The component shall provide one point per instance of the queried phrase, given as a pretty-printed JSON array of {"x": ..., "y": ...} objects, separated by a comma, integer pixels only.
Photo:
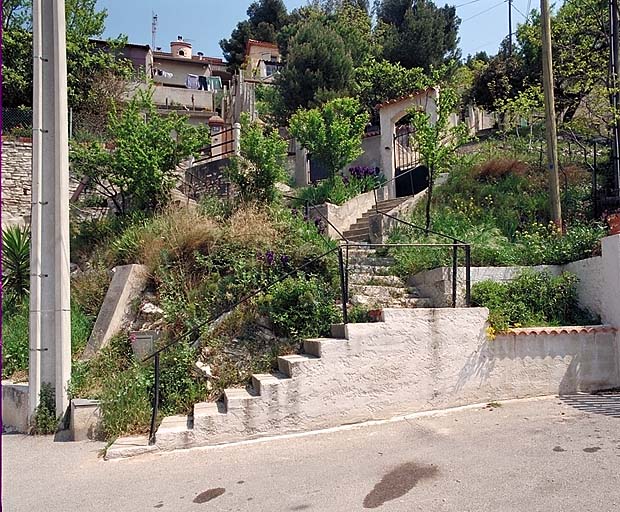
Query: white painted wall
[{"x": 417, "y": 360}]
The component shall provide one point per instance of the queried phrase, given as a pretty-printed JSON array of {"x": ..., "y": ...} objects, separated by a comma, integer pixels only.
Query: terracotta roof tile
[
  {"x": 568, "y": 329},
  {"x": 405, "y": 97}
]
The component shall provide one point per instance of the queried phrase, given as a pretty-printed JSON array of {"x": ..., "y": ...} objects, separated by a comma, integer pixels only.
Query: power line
[
  {"x": 467, "y": 3},
  {"x": 515, "y": 8},
  {"x": 483, "y": 12}
]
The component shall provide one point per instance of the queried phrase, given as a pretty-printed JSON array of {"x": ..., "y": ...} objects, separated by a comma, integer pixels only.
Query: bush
[
  {"x": 15, "y": 264},
  {"x": 300, "y": 308},
  {"x": 531, "y": 299},
  {"x": 44, "y": 420}
]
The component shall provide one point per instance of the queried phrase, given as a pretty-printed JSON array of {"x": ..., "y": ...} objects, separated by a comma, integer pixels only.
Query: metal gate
[{"x": 411, "y": 177}]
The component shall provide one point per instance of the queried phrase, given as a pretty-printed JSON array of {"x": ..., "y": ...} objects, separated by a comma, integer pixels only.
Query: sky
[{"x": 484, "y": 23}]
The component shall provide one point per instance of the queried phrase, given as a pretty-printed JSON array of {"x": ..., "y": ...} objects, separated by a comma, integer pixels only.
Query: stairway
[
  {"x": 372, "y": 283},
  {"x": 358, "y": 232}
]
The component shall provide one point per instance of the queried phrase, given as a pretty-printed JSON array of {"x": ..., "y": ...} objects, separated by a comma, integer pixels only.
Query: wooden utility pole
[
  {"x": 552, "y": 139},
  {"x": 510, "y": 28},
  {"x": 614, "y": 64}
]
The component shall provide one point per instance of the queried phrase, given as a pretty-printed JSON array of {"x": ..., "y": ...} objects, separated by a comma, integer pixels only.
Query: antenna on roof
[{"x": 153, "y": 29}]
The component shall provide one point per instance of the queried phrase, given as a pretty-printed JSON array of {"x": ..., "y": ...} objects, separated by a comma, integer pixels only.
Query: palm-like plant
[{"x": 16, "y": 262}]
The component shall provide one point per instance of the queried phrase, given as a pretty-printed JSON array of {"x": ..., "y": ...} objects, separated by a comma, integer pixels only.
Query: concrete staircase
[
  {"x": 372, "y": 284},
  {"x": 358, "y": 232}
]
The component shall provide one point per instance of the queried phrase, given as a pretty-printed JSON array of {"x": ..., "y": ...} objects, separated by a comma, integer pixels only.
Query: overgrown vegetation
[
  {"x": 531, "y": 299},
  {"x": 500, "y": 207},
  {"x": 135, "y": 170},
  {"x": 202, "y": 262},
  {"x": 15, "y": 266}
]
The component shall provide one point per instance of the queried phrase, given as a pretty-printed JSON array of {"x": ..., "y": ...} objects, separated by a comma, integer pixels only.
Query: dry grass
[
  {"x": 176, "y": 235},
  {"x": 498, "y": 168},
  {"x": 251, "y": 226}
]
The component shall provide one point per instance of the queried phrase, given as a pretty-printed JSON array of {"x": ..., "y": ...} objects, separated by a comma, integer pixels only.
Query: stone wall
[{"x": 16, "y": 181}]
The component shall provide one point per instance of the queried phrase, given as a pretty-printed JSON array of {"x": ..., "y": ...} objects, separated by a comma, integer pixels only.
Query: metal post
[
  {"x": 155, "y": 401},
  {"x": 594, "y": 184},
  {"x": 343, "y": 288},
  {"x": 468, "y": 275},
  {"x": 454, "y": 271}
]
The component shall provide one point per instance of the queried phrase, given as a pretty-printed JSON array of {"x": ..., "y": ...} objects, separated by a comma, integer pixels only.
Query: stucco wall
[
  {"x": 343, "y": 216},
  {"x": 418, "y": 359},
  {"x": 436, "y": 284},
  {"x": 371, "y": 156}
]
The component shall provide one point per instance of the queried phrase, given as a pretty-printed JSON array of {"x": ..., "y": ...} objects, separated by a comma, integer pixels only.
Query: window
[{"x": 182, "y": 53}]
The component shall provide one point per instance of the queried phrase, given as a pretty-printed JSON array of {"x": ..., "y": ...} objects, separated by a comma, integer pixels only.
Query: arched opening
[{"x": 181, "y": 53}]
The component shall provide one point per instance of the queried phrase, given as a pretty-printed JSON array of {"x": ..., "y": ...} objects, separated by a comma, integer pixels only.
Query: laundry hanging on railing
[
  {"x": 162, "y": 73},
  {"x": 191, "y": 82}
]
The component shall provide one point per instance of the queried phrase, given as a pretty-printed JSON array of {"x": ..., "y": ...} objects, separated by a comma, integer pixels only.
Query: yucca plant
[{"x": 16, "y": 262}]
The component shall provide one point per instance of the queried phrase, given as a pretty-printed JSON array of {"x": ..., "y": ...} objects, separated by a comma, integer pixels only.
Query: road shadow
[{"x": 601, "y": 402}]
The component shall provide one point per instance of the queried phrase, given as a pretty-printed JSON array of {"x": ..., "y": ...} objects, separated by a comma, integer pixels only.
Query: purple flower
[
  {"x": 269, "y": 256},
  {"x": 284, "y": 259},
  {"x": 345, "y": 180}
]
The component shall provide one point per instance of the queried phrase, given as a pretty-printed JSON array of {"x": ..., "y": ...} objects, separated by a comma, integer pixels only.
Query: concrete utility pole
[
  {"x": 50, "y": 314},
  {"x": 552, "y": 139}
]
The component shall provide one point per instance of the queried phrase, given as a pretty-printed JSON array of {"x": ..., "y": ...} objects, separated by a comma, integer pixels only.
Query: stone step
[
  {"x": 391, "y": 302},
  {"x": 294, "y": 365},
  {"x": 377, "y": 261},
  {"x": 264, "y": 383},
  {"x": 363, "y": 268},
  {"x": 373, "y": 279},
  {"x": 362, "y": 237},
  {"x": 205, "y": 409},
  {"x": 380, "y": 291},
  {"x": 238, "y": 398},
  {"x": 356, "y": 231},
  {"x": 324, "y": 347}
]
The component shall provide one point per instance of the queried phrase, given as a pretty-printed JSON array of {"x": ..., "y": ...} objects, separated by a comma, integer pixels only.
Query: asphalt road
[{"x": 546, "y": 454}]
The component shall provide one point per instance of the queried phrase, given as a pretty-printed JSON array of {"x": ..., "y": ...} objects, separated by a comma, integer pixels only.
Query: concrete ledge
[
  {"x": 15, "y": 406},
  {"x": 128, "y": 283},
  {"x": 85, "y": 421}
]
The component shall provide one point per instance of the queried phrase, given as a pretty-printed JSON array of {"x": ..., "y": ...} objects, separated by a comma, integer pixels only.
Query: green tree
[
  {"x": 379, "y": 81},
  {"x": 85, "y": 63},
  {"x": 318, "y": 67},
  {"x": 331, "y": 133},
  {"x": 265, "y": 19},
  {"x": 417, "y": 33},
  {"x": 261, "y": 164},
  {"x": 136, "y": 168},
  {"x": 580, "y": 35},
  {"x": 436, "y": 139}
]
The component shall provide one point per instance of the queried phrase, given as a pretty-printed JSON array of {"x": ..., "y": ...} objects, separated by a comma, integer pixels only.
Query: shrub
[
  {"x": 496, "y": 168},
  {"x": 531, "y": 299},
  {"x": 293, "y": 302},
  {"x": 15, "y": 264},
  {"x": 44, "y": 420},
  {"x": 261, "y": 163}
]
